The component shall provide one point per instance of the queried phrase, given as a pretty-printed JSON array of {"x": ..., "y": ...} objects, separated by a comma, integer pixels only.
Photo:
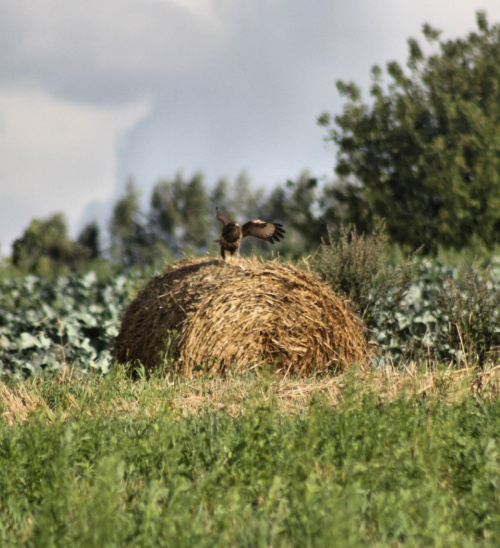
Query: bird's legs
[{"x": 225, "y": 257}]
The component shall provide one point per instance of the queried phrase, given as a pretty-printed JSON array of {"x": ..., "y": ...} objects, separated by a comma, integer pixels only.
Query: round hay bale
[{"x": 239, "y": 316}]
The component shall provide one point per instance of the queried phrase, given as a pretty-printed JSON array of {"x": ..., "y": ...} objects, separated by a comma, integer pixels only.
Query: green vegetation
[
  {"x": 423, "y": 153},
  {"x": 171, "y": 462},
  {"x": 45, "y": 247},
  {"x": 357, "y": 266},
  {"x": 471, "y": 303},
  {"x": 418, "y": 310},
  {"x": 406, "y": 454},
  {"x": 46, "y": 324},
  {"x": 179, "y": 221}
]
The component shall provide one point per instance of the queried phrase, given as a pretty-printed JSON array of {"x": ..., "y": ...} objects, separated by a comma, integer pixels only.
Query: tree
[
  {"x": 248, "y": 200},
  {"x": 180, "y": 214},
  {"x": 196, "y": 214},
  {"x": 303, "y": 210},
  {"x": 131, "y": 241},
  {"x": 221, "y": 197},
  {"x": 295, "y": 204},
  {"x": 45, "y": 248},
  {"x": 165, "y": 218},
  {"x": 425, "y": 153},
  {"x": 89, "y": 240}
]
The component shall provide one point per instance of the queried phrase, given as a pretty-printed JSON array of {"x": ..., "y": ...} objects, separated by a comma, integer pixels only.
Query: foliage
[
  {"x": 421, "y": 311},
  {"x": 46, "y": 249},
  {"x": 179, "y": 220},
  {"x": 69, "y": 321},
  {"x": 356, "y": 266},
  {"x": 415, "y": 310},
  {"x": 471, "y": 304},
  {"x": 424, "y": 154},
  {"x": 302, "y": 208},
  {"x": 450, "y": 315},
  {"x": 418, "y": 331},
  {"x": 89, "y": 239},
  {"x": 115, "y": 463},
  {"x": 132, "y": 243}
]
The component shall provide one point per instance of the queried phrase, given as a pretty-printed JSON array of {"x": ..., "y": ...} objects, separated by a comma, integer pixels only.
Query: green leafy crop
[{"x": 49, "y": 324}]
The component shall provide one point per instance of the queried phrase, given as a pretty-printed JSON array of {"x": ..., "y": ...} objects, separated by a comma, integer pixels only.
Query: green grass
[{"x": 105, "y": 461}]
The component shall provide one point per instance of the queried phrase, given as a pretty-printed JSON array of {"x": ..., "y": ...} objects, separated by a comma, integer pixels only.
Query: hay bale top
[{"x": 240, "y": 315}]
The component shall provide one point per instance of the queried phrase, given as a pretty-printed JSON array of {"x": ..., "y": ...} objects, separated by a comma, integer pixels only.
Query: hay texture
[{"x": 239, "y": 316}]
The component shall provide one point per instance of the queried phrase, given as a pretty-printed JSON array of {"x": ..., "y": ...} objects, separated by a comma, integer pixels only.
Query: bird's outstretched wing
[
  {"x": 222, "y": 219},
  {"x": 270, "y": 232}
]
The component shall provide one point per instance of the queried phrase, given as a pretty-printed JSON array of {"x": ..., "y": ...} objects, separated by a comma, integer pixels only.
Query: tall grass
[
  {"x": 471, "y": 305},
  {"x": 112, "y": 462}
]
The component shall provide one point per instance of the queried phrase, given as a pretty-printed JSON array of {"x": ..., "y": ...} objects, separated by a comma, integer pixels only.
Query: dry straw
[{"x": 239, "y": 316}]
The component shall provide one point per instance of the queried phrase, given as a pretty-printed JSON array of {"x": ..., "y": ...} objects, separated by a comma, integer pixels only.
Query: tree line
[
  {"x": 178, "y": 219},
  {"x": 422, "y": 154}
]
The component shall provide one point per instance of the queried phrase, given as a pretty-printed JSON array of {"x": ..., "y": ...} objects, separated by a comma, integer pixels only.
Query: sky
[{"x": 93, "y": 93}]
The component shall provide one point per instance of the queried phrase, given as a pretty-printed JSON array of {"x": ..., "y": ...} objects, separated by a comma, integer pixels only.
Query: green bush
[
  {"x": 470, "y": 304},
  {"x": 357, "y": 267}
]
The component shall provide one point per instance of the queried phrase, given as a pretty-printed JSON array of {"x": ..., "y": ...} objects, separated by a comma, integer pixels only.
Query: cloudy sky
[{"x": 94, "y": 92}]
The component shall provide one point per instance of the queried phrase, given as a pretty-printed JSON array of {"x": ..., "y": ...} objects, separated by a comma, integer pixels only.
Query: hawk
[{"x": 232, "y": 233}]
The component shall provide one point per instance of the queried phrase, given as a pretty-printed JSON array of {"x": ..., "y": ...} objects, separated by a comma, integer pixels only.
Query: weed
[
  {"x": 360, "y": 462},
  {"x": 356, "y": 266},
  {"x": 470, "y": 304}
]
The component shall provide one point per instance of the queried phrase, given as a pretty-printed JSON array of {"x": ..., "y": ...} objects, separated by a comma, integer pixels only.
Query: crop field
[
  {"x": 405, "y": 454},
  {"x": 50, "y": 325}
]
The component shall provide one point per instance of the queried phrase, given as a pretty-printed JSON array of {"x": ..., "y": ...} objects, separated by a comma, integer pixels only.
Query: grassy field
[{"x": 391, "y": 458}]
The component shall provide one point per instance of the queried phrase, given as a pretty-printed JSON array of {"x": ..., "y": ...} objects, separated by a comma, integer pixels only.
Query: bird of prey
[{"x": 232, "y": 233}]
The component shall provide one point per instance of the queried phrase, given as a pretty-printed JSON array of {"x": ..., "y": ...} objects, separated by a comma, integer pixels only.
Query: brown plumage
[{"x": 232, "y": 233}]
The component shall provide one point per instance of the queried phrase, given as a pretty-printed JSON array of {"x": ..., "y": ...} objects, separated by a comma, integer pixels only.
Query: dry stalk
[
  {"x": 291, "y": 395},
  {"x": 240, "y": 317}
]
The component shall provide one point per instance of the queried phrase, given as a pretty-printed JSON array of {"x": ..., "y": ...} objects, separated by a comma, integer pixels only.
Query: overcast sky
[{"x": 94, "y": 92}]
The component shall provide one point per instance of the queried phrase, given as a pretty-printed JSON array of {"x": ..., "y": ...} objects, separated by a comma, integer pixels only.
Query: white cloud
[{"x": 56, "y": 156}]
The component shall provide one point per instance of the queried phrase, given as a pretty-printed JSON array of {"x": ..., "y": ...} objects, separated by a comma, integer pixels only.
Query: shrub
[
  {"x": 357, "y": 266},
  {"x": 470, "y": 303}
]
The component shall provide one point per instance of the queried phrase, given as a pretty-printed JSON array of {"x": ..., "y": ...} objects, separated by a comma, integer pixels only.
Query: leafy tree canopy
[
  {"x": 131, "y": 243},
  {"x": 45, "y": 246},
  {"x": 424, "y": 152}
]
